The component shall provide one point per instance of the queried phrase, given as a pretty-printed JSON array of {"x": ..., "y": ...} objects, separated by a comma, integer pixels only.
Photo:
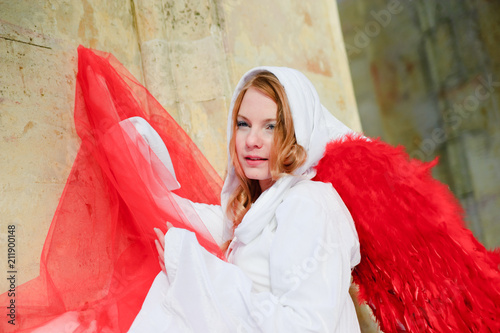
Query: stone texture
[
  {"x": 428, "y": 67},
  {"x": 419, "y": 81},
  {"x": 184, "y": 66},
  {"x": 37, "y": 86},
  {"x": 37, "y": 145}
]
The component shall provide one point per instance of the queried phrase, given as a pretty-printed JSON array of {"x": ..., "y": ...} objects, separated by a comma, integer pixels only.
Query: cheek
[
  {"x": 269, "y": 143},
  {"x": 239, "y": 141}
]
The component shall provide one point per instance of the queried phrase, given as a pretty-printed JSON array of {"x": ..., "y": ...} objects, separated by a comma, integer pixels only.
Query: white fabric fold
[{"x": 308, "y": 280}]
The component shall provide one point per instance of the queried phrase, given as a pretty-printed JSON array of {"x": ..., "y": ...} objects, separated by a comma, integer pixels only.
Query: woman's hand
[{"x": 160, "y": 246}]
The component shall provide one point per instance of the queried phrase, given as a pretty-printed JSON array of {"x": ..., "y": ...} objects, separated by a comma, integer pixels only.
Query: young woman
[{"x": 290, "y": 242}]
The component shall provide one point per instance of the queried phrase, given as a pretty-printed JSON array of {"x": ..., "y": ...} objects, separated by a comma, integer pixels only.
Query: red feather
[{"x": 421, "y": 269}]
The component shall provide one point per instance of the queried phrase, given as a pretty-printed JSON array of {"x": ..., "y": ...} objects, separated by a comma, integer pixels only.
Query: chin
[
  {"x": 254, "y": 177},
  {"x": 257, "y": 175}
]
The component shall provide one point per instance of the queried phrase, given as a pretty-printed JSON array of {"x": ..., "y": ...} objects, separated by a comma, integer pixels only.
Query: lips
[{"x": 255, "y": 160}]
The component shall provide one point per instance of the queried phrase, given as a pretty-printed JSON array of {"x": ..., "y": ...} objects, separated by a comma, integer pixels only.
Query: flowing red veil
[
  {"x": 421, "y": 270},
  {"x": 99, "y": 256}
]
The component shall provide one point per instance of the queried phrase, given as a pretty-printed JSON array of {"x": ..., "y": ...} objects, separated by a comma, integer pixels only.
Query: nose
[{"x": 254, "y": 139}]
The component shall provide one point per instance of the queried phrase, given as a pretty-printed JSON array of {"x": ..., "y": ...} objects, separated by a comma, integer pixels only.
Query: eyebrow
[{"x": 265, "y": 120}]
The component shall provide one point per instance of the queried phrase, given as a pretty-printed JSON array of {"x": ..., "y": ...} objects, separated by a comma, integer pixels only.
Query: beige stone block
[
  {"x": 31, "y": 18},
  {"x": 208, "y": 129},
  {"x": 150, "y": 18},
  {"x": 198, "y": 70},
  {"x": 188, "y": 20},
  {"x": 29, "y": 205},
  {"x": 183, "y": 76},
  {"x": 345, "y": 101},
  {"x": 332, "y": 94},
  {"x": 103, "y": 25},
  {"x": 37, "y": 145},
  {"x": 174, "y": 20},
  {"x": 158, "y": 75}
]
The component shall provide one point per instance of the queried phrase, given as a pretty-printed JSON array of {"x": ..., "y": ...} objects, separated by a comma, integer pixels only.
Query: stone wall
[
  {"x": 427, "y": 76},
  {"x": 38, "y": 141},
  {"x": 189, "y": 54}
]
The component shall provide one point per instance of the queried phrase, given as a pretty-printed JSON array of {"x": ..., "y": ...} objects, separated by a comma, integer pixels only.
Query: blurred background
[{"x": 426, "y": 75}]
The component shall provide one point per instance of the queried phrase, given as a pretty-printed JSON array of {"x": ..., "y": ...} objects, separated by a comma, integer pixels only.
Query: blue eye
[
  {"x": 241, "y": 123},
  {"x": 271, "y": 126}
]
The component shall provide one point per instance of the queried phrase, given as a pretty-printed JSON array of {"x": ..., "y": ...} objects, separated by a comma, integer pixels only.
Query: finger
[
  {"x": 160, "y": 236},
  {"x": 161, "y": 260},
  {"x": 162, "y": 266},
  {"x": 169, "y": 225},
  {"x": 159, "y": 248}
]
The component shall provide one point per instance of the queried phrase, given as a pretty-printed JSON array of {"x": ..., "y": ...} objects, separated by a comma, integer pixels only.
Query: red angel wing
[{"x": 421, "y": 269}]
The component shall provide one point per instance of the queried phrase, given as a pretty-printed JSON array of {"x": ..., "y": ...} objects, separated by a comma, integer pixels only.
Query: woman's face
[{"x": 254, "y": 136}]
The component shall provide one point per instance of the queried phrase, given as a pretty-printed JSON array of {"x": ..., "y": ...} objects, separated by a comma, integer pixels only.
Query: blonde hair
[{"x": 286, "y": 154}]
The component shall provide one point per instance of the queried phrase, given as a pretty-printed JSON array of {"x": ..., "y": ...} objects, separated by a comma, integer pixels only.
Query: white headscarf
[{"x": 314, "y": 128}]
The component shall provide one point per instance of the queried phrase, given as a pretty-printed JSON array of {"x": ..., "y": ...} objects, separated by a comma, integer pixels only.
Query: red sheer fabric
[{"x": 99, "y": 257}]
